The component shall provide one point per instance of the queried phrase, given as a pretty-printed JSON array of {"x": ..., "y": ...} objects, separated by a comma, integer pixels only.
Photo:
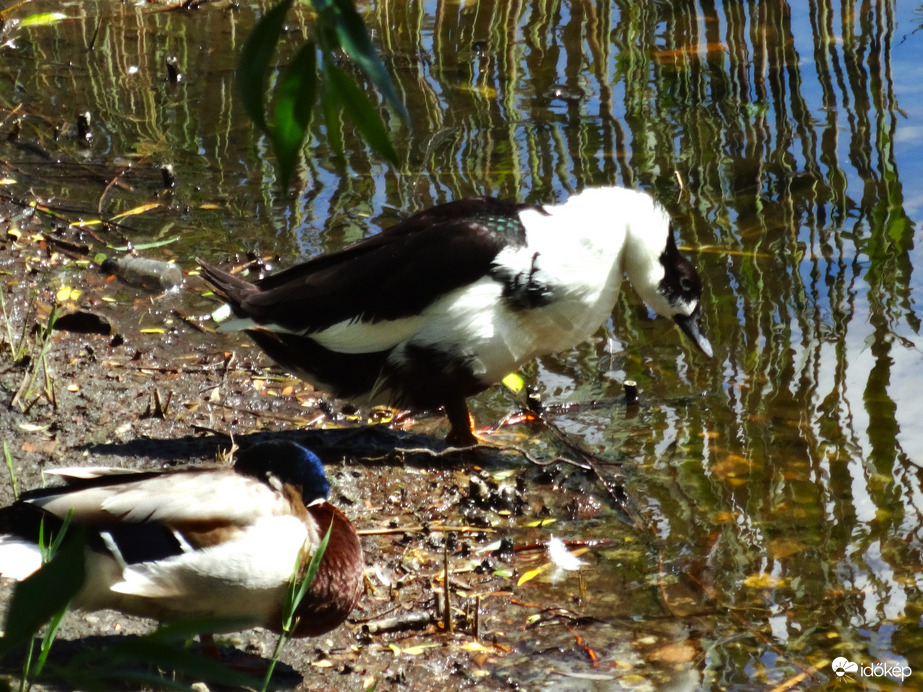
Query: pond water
[{"x": 779, "y": 483}]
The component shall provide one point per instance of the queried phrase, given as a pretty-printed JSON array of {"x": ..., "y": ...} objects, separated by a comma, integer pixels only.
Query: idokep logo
[{"x": 843, "y": 668}]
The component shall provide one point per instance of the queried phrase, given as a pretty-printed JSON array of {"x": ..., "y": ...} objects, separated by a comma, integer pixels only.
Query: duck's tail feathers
[
  {"x": 22, "y": 526},
  {"x": 19, "y": 558},
  {"x": 228, "y": 287}
]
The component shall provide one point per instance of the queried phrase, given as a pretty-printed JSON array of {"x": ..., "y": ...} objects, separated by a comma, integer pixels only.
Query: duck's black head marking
[
  {"x": 682, "y": 288},
  {"x": 681, "y": 284}
]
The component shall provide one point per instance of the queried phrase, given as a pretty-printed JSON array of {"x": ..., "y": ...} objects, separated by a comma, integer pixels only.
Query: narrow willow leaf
[
  {"x": 43, "y": 19},
  {"x": 361, "y": 111},
  {"x": 144, "y": 246},
  {"x": 340, "y": 18},
  {"x": 419, "y": 649},
  {"x": 255, "y": 58},
  {"x": 294, "y": 102},
  {"x": 137, "y": 210},
  {"x": 530, "y": 575}
]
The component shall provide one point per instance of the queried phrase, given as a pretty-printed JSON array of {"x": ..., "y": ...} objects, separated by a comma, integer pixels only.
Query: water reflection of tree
[
  {"x": 781, "y": 126},
  {"x": 779, "y": 119}
]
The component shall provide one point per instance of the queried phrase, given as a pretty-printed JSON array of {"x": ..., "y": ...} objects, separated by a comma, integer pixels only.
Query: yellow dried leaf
[
  {"x": 732, "y": 466},
  {"x": 514, "y": 382},
  {"x": 780, "y": 548},
  {"x": 475, "y": 647},
  {"x": 66, "y": 293},
  {"x": 674, "y": 653},
  {"x": 547, "y": 521},
  {"x": 530, "y": 575},
  {"x": 137, "y": 210},
  {"x": 763, "y": 580},
  {"x": 84, "y": 224},
  {"x": 154, "y": 330},
  {"x": 419, "y": 649},
  {"x": 33, "y": 427}
]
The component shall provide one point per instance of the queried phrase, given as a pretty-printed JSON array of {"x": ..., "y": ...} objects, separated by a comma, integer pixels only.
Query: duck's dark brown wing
[{"x": 393, "y": 274}]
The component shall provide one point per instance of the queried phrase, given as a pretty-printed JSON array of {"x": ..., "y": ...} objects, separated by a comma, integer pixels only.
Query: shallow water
[{"x": 780, "y": 481}]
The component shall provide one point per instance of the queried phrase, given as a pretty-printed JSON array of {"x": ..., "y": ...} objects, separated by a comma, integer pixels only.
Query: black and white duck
[{"x": 449, "y": 301}]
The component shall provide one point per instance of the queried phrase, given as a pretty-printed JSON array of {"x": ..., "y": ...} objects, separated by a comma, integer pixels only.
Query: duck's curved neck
[
  {"x": 338, "y": 582},
  {"x": 642, "y": 261}
]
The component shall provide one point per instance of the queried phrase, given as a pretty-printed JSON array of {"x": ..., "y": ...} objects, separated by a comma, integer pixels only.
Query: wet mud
[{"x": 135, "y": 378}]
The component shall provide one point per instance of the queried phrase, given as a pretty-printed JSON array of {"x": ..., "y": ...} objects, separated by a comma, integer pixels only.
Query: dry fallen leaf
[
  {"x": 531, "y": 574},
  {"x": 733, "y": 469},
  {"x": 763, "y": 580},
  {"x": 674, "y": 653}
]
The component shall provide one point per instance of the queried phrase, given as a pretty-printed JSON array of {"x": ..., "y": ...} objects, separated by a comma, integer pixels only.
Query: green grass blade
[
  {"x": 50, "y": 633},
  {"x": 299, "y": 586},
  {"x": 9, "y": 464}
]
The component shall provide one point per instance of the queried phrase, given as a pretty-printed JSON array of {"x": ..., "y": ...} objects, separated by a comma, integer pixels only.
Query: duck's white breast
[{"x": 245, "y": 576}]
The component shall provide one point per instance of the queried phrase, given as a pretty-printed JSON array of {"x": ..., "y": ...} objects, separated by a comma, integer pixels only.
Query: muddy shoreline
[{"x": 133, "y": 378}]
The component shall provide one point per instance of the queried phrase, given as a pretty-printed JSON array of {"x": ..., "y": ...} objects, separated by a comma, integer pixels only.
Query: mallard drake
[
  {"x": 449, "y": 301},
  {"x": 198, "y": 542}
]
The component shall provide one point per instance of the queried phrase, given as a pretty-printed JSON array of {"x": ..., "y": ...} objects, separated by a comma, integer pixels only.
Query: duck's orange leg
[{"x": 462, "y": 432}]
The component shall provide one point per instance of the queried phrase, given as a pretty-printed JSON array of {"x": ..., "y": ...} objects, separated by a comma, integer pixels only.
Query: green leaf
[
  {"x": 340, "y": 18},
  {"x": 361, "y": 111},
  {"x": 37, "y": 598},
  {"x": 255, "y": 58},
  {"x": 43, "y": 19},
  {"x": 294, "y": 102},
  {"x": 143, "y": 246}
]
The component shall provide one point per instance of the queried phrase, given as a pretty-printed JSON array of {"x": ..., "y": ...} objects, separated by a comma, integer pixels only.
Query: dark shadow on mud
[
  {"x": 130, "y": 662},
  {"x": 366, "y": 445}
]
